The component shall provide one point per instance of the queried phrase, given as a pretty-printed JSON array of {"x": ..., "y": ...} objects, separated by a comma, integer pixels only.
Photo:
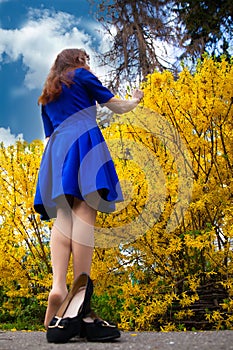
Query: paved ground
[{"x": 222, "y": 340}]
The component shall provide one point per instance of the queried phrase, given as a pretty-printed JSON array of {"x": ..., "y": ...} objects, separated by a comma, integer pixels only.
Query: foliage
[
  {"x": 25, "y": 267},
  {"x": 163, "y": 274},
  {"x": 149, "y": 274},
  {"x": 208, "y": 26}
]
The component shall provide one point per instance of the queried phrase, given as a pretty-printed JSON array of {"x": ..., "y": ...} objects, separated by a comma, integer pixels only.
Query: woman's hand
[{"x": 123, "y": 106}]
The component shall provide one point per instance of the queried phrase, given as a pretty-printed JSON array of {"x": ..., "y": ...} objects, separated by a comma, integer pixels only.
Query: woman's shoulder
[
  {"x": 82, "y": 72},
  {"x": 83, "y": 75}
]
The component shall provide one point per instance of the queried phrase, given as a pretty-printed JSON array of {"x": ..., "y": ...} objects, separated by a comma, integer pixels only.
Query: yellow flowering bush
[
  {"x": 163, "y": 260},
  {"x": 181, "y": 278}
]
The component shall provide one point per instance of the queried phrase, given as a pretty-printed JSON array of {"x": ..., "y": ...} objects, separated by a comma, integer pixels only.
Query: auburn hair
[{"x": 61, "y": 72}]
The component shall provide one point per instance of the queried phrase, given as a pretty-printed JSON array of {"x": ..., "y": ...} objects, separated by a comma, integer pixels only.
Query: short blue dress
[{"x": 76, "y": 160}]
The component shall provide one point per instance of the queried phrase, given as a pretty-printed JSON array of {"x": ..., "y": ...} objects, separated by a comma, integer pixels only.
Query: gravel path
[{"x": 222, "y": 340}]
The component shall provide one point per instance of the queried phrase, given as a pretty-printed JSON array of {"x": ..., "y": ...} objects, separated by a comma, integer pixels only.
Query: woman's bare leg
[
  {"x": 60, "y": 245},
  {"x": 73, "y": 231},
  {"x": 82, "y": 236},
  {"x": 82, "y": 245}
]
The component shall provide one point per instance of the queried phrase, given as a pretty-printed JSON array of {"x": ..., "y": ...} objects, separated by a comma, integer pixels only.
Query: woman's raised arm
[{"x": 120, "y": 106}]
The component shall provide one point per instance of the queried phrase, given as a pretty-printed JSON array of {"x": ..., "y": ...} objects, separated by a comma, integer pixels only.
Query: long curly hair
[{"x": 61, "y": 72}]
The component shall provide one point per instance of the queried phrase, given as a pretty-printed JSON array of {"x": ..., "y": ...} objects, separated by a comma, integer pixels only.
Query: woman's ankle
[{"x": 55, "y": 300}]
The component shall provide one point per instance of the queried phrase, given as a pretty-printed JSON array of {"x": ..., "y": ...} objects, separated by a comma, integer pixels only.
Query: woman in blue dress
[{"x": 77, "y": 176}]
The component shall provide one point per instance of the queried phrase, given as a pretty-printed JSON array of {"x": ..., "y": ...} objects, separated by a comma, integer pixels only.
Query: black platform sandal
[
  {"x": 97, "y": 330},
  {"x": 77, "y": 303}
]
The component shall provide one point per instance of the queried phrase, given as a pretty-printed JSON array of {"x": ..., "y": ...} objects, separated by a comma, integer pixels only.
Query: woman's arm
[
  {"x": 119, "y": 106},
  {"x": 46, "y": 141}
]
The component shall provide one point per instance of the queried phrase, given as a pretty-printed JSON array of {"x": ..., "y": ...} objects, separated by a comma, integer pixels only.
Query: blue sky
[{"x": 32, "y": 33}]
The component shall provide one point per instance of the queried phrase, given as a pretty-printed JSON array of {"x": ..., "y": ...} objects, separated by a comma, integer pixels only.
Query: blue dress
[{"x": 76, "y": 160}]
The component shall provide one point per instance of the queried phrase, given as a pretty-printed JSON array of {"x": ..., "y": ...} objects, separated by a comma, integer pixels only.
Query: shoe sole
[{"x": 104, "y": 338}]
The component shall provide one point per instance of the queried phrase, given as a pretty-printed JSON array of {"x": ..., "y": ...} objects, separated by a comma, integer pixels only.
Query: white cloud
[
  {"x": 167, "y": 54},
  {"x": 8, "y": 138},
  {"x": 39, "y": 40}
]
